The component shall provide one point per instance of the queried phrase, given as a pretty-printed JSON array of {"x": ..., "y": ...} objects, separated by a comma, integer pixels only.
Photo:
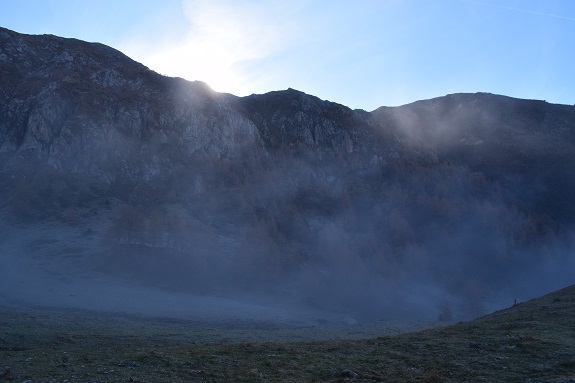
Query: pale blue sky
[{"x": 361, "y": 53}]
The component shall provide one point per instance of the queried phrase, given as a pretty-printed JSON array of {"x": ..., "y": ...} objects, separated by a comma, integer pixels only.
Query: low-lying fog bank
[{"x": 49, "y": 265}]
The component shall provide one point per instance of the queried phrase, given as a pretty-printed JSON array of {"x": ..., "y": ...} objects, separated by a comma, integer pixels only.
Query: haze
[
  {"x": 126, "y": 191},
  {"x": 362, "y": 54}
]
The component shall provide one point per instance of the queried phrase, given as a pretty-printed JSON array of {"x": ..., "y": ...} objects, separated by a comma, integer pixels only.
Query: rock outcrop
[{"x": 283, "y": 181}]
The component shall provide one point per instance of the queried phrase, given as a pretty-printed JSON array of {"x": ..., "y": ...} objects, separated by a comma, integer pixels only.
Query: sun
[{"x": 220, "y": 40}]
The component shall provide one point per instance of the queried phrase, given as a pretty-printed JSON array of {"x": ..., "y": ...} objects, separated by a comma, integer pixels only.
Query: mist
[
  {"x": 125, "y": 191},
  {"x": 291, "y": 244}
]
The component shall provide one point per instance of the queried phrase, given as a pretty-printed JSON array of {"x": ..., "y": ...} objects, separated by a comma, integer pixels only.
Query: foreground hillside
[{"x": 529, "y": 342}]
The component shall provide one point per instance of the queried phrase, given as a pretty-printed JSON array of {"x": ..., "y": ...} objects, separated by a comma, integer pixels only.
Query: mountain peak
[{"x": 284, "y": 188}]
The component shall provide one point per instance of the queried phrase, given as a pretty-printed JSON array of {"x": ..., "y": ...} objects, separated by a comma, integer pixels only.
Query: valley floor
[{"x": 529, "y": 342}]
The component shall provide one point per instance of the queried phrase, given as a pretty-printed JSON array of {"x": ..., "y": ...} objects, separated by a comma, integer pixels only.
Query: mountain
[
  {"x": 527, "y": 144},
  {"x": 440, "y": 205}
]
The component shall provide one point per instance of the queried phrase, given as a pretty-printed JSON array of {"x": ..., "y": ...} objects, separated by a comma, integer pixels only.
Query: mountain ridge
[{"x": 454, "y": 193}]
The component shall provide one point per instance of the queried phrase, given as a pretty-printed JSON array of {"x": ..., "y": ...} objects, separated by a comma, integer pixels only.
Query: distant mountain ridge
[{"x": 283, "y": 181}]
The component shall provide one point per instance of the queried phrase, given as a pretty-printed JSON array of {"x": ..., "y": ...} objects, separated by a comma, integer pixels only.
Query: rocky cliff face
[
  {"x": 81, "y": 107},
  {"x": 455, "y": 192}
]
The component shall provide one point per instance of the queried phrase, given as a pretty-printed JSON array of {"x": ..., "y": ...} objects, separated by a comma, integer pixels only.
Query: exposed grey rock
[{"x": 284, "y": 181}]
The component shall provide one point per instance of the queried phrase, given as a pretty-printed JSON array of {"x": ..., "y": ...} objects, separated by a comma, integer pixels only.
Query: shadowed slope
[{"x": 454, "y": 204}]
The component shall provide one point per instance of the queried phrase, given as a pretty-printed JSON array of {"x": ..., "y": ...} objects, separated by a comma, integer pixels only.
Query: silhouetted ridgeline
[{"x": 437, "y": 204}]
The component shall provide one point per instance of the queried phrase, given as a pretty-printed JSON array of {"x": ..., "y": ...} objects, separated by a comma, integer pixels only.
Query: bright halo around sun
[
  {"x": 201, "y": 61},
  {"x": 222, "y": 37}
]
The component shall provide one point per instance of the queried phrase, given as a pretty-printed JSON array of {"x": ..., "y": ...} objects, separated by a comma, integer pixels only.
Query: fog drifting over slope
[
  {"x": 123, "y": 190},
  {"x": 295, "y": 249}
]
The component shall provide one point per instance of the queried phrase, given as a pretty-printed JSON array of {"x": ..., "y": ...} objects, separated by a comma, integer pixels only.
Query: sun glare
[
  {"x": 221, "y": 37},
  {"x": 199, "y": 60}
]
